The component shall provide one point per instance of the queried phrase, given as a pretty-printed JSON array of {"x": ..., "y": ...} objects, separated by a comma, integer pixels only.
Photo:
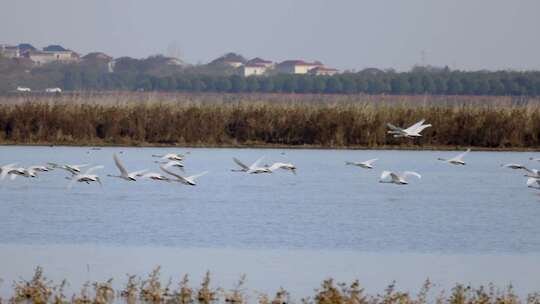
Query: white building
[
  {"x": 296, "y": 67},
  {"x": 9, "y": 51},
  {"x": 253, "y": 69}
]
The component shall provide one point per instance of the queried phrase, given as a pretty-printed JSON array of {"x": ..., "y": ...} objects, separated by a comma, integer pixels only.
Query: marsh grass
[
  {"x": 41, "y": 290},
  {"x": 287, "y": 122}
]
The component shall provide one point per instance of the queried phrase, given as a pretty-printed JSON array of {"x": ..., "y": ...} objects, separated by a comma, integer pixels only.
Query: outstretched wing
[
  {"x": 119, "y": 165},
  {"x": 533, "y": 182},
  {"x": 385, "y": 174},
  {"x": 173, "y": 174},
  {"x": 460, "y": 156},
  {"x": 416, "y": 125},
  {"x": 139, "y": 173},
  {"x": 394, "y": 128},
  {"x": 256, "y": 163},
  {"x": 276, "y": 166},
  {"x": 54, "y": 165},
  {"x": 407, "y": 173},
  {"x": 239, "y": 163},
  {"x": 371, "y": 161},
  {"x": 92, "y": 169},
  {"x": 5, "y": 169},
  {"x": 514, "y": 166},
  {"x": 194, "y": 177}
]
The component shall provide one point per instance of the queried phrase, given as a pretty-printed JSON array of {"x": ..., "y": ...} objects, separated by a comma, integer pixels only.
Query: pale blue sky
[{"x": 354, "y": 34}]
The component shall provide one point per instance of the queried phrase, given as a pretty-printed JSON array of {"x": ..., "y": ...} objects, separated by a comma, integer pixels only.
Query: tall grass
[
  {"x": 234, "y": 122},
  {"x": 153, "y": 290}
]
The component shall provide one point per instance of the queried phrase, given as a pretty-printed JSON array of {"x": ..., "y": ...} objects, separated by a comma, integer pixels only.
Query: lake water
[{"x": 475, "y": 223}]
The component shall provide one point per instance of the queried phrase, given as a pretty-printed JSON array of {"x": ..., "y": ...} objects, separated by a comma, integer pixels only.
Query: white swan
[
  {"x": 396, "y": 178},
  {"x": 534, "y": 158},
  {"x": 154, "y": 176},
  {"x": 253, "y": 169},
  {"x": 5, "y": 171},
  {"x": 533, "y": 183},
  {"x": 86, "y": 177},
  {"x": 284, "y": 166},
  {"x": 412, "y": 131},
  {"x": 171, "y": 156},
  {"x": 533, "y": 173},
  {"x": 124, "y": 174},
  {"x": 190, "y": 180},
  {"x": 457, "y": 160},
  {"x": 73, "y": 169},
  {"x": 368, "y": 164},
  {"x": 171, "y": 163}
]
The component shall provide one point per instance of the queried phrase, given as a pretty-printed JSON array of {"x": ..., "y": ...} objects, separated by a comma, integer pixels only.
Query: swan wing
[
  {"x": 256, "y": 163},
  {"x": 138, "y": 173},
  {"x": 173, "y": 174},
  {"x": 276, "y": 166},
  {"x": 194, "y": 177},
  {"x": 173, "y": 163},
  {"x": 394, "y": 128},
  {"x": 119, "y": 165},
  {"x": 533, "y": 182},
  {"x": 371, "y": 161},
  {"x": 385, "y": 174},
  {"x": 92, "y": 169},
  {"x": 421, "y": 128},
  {"x": 411, "y": 173},
  {"x": 461, "y": 155},
  {"x": 514, "y": 166},
  {"x": 239, "y": 163},
  {"x": 415, "y": 126},
  {"x": 80, "y": 166},
  {"x": 5, "y": 169}
]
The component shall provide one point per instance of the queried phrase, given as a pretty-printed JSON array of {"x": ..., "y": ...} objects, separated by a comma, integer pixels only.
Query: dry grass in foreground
[
  {"x": 152, "y": 290},
  {"x": 266, "y": 124}
]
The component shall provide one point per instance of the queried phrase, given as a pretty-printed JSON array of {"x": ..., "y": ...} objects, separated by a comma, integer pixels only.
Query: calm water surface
[{"x": 477, "y": 210}]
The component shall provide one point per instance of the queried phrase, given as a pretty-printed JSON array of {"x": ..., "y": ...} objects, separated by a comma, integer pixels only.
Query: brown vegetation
[
  {"x": 238, "y": 122},
  {"x": 41, "y": 290}
]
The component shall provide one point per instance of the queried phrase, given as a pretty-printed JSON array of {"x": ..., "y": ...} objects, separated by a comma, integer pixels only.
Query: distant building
[
  {"x": 231, "y": 59},
  {"x": 321, "y": 70},
  {"x": 9, "y": 51},
  {"x": 296, "y": 67},
  {"x": 233, "y": 63},
  {"x": 23, "y": 47},
  {"x": 262, "y": 62},
  {"x": 253, "y": 69},
  {"x": 44, "y": 57}
]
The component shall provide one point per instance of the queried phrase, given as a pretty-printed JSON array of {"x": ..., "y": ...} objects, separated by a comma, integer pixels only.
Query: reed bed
[
  {"x": 236, "y": 122},
  {"x": 153, "y": 289}
]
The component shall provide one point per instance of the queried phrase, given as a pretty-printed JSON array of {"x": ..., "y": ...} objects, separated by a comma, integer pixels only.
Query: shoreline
[{"x": 272, "y": 146}]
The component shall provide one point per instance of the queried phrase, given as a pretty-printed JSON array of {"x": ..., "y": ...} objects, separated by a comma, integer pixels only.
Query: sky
[{"x": 346, "y": 34}]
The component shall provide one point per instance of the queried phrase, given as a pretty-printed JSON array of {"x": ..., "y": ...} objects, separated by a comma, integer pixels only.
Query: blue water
[{"x": 478, "y": 208}]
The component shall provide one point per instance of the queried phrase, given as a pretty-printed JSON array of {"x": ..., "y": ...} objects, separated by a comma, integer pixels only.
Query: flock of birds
[
  {"x": 174, "y": 160},
  {"x": 166, "y": 163}
]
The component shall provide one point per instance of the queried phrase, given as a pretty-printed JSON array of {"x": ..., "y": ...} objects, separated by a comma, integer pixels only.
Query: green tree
[
  {"x": 252, "y": 84},
  {"x": 333, "y": 85},
  {"x": 238, "y": 84},
  {"x": 399, "y": 85},
  {"x": 319, "y": 85}
]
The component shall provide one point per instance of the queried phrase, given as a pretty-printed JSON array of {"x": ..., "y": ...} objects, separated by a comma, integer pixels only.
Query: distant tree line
[
  {"x": 155, "y": 73},
  {"x": 367, "y": 82}
]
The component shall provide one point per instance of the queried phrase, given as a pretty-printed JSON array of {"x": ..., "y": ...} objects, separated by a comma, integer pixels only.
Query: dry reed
[
  {"x": 263, "y": 123},
  {"x": 41, "y": 290}
]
